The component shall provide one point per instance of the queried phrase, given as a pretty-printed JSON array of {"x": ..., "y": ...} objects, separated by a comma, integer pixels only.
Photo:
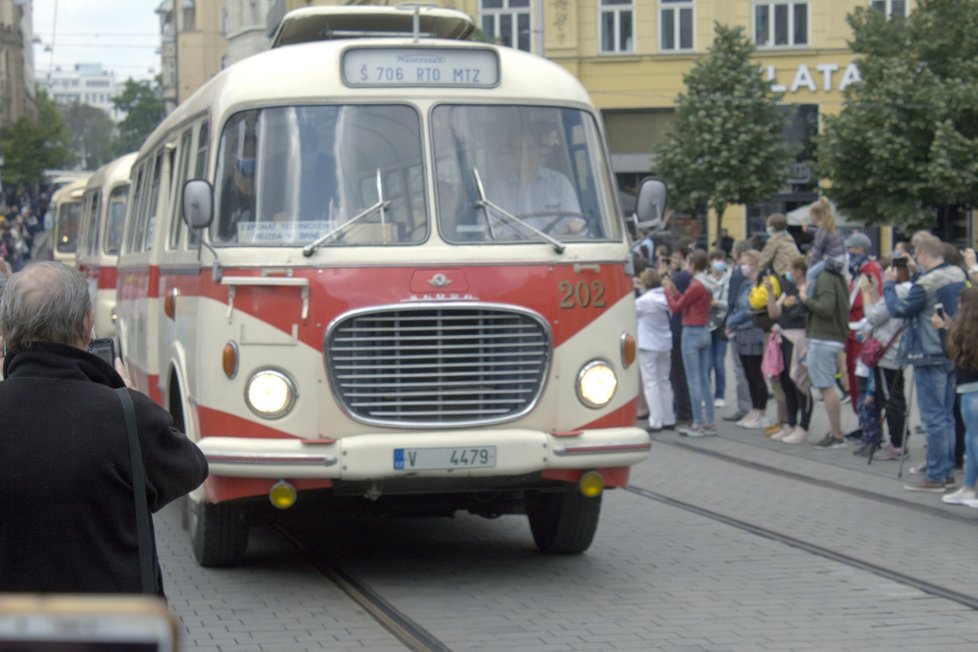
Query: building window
[
  {"x": 890, "y": 7},
  {"x": 616, "y": 21},
  {"x": 676, "y": 25},
  {"x": 508, "y": 21},
  {"x": 780, "y": 24},
  {"x": 189, "y": 16}
]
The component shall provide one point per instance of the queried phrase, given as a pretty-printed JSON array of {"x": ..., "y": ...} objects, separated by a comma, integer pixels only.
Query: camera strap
[{"x": 147, "y": 572}]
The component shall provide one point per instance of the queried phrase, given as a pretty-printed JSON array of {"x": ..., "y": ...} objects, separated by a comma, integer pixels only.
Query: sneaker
[
  {"x": 888, "y": 454},
  {"x": 782, "y": 432},
  {"x": 962, "y": 496},
  {"x": 719, "y": 402},
  {"x": 925, "y": 485},
  {"x": 751, "y": 423},
  {"x": 709, "y": 431},
  {"x": 856, "y": 434},
  {"x": 920, "y": 469},
  {"x": 863, "y": 450},
  {"x": 692, "y": 431},
  {"x": 949, "y": 481},
  {"x": 796, "y": 436},
  {"x": 737, "y": 416},
  {"x": 829, "y": 442}
]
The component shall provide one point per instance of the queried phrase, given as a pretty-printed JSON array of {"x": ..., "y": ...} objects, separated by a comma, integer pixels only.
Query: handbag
[
  {"x": 147, "y": 570},
  {"x": 772, "y": 364},
  {"x": 873, "y": 350}
]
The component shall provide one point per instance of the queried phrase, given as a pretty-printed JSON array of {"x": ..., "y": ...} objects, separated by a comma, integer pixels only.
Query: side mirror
[
  {"x": 651, "y": 203},
  {"x": 198, "y": 203}
]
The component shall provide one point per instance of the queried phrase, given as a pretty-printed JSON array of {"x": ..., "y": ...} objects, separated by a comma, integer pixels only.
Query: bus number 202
[{"x": 582, "y": 294}]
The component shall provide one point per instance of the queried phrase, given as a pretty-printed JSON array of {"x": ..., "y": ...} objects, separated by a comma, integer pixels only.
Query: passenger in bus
[
  {"x": 238, "y": 188},
  {"x": 524, "y": 186}
]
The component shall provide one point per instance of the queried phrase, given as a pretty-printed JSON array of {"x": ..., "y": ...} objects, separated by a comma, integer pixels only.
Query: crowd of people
[{"x": 834, "y": 325}]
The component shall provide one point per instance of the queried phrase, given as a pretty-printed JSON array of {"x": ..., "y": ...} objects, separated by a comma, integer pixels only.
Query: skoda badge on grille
[{"x": 439, "y": 280}]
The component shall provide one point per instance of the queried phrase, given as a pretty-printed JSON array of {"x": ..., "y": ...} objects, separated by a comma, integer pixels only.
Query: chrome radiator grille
[{"x": 438, "y": 366}]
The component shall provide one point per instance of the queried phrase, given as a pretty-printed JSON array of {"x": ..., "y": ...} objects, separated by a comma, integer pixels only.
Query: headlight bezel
[
  {"x": 586, "y": 371},
  {"x": 291, "y": 393}
]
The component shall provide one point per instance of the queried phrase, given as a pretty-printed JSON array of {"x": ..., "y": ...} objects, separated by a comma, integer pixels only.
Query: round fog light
[
  {"x": 283, "y": 495},
  {"x": 591, "y": 484}
]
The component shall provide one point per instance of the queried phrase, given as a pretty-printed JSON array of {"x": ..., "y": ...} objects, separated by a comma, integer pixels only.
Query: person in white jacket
[{"x": 655, "y": 350}]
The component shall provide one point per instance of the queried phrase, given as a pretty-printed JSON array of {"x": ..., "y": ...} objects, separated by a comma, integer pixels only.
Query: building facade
[
  {"x": 193, "y": 46},
  {"x": 17, "y": 99},
  {"x": 86, "y": 83}
]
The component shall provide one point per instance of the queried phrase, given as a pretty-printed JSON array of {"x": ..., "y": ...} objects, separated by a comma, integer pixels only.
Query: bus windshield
[
  {"x": 69, "y": 217},
  {"x": 291, "y": 175},
  {"x": 511, "y": 173}
]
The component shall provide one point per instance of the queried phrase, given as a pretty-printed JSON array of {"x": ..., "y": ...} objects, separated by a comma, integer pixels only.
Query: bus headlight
[
  {"x": 270, "y": 394},
  {"x": 596, "y": 383}
]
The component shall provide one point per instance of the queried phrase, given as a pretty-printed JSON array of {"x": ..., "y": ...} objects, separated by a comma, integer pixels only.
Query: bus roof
[
  {"x": 311, "y": 73},
  {"x": 113, "y": 172},
  {"x": 71, "y": 191},
  {"x": 344, "y": 22}
]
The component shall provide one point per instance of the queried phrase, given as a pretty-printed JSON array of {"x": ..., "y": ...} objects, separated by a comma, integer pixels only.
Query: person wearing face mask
[
  {"x": 749, "y": 342},
  {"x": 861, "y": 264},
  {"x": 780, "y": 248},
  {"x": 734, "y": 283}
]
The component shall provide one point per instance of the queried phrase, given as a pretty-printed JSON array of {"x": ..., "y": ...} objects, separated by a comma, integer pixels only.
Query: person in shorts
[{"x": 826, "y": 329}]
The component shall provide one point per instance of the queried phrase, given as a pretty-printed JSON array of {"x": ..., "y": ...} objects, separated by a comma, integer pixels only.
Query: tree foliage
[
  {"x": 30, "y": 146},
  {"x": 906, "y": 140},
  {"x": 91, "y": 134},
  {"x": 726, "y": 146},
  {"x": 142, "y": 104}
]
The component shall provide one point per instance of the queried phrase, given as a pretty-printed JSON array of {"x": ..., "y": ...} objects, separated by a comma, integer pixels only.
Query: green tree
[
  {"x": 906, "y": 140},
  {"x": 30, "y": 146},
  {"x": 91, "y": 134},
  {"x": 142, "y": 104},
  {"x": 726, "y": 146}
]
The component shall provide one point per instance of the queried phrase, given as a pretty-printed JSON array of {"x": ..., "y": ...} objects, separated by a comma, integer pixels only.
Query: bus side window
[
  {"x": 200, "y": 171},
  {"x": 135, "y": 207},
  {"x": 152, "y": 204},
  {"x": 178, "y": 179},
  {"x": 94, "y": 220}
]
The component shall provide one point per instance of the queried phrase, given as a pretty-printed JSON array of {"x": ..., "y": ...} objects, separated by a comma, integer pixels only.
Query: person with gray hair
[{"x": 66, "y": 494}]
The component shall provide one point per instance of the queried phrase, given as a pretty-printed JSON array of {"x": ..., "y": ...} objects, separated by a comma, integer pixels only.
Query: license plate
[{"x": 471, "y": 457}]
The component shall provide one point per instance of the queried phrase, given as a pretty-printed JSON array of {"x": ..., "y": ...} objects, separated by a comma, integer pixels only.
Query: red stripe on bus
[
  {"x": 216, "y": 423},
  {"x": 570, "y": 300},
  {"x": 223, "y": 488},
  {"x": 624, "y": 416},
  {"x": 107, "y": 277}
]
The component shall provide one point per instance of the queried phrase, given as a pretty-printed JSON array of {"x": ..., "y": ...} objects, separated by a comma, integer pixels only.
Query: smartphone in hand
[{"x": 104, "y": 347}]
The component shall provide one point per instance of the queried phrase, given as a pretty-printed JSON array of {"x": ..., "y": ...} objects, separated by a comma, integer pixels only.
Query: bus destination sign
[{"x": 407, "y": 67}]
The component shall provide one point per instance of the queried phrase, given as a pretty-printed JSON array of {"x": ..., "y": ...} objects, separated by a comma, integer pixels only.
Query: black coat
[{"x": 67, "y": 517}]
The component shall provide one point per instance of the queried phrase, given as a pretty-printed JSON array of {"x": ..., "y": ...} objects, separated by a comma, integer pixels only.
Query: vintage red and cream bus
[
  {"x": 401, "y": 278},
  {"x": 65, "y": 217},
  {"x": 103, "y": 218}
]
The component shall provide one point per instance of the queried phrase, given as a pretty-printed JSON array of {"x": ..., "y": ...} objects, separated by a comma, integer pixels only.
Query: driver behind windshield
[
  {"x": 238, "y": 190},
  {"x": 540, "y": 196}
]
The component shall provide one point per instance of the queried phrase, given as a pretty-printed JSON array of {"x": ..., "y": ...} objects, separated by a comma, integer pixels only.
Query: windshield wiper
[
  {"x": 380, "y": 206},
  {"x": 499, "y": 211}
]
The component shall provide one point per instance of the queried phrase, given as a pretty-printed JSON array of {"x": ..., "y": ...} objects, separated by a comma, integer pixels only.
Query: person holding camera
[
  {"x": 66, "y": 494},
  {"x": 936, "y": 288}
]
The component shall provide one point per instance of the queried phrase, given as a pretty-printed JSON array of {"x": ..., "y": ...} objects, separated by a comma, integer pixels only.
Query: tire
[
  {"x": 563, "y": 522},
  {"x": 218, "y": 532}
]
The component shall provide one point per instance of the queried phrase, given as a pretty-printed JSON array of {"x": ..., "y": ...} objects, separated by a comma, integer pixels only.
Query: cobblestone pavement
[{"x": 656, "y": 578}]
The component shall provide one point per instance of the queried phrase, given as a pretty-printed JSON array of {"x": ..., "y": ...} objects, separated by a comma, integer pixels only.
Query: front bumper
[{"x": 371, "y": 456}]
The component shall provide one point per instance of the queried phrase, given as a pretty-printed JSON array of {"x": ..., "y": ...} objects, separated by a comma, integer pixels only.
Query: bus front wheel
[
  {"x": 562, "y": 522},
  {"x": 218, "y": 532}
]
